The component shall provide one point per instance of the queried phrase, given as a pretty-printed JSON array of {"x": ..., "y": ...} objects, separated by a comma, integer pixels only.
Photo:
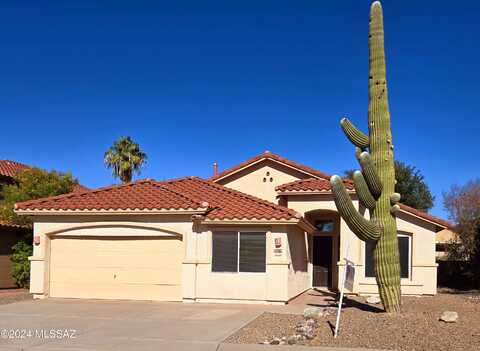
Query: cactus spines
[
  {"x": 357, "y": 137},
  {"x": 378, "y": 174}
]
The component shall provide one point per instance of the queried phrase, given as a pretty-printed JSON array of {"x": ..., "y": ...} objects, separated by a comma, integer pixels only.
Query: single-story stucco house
[{"x": 263, "y": 231}]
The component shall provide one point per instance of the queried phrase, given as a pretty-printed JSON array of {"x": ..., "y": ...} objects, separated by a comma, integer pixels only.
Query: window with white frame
[
  {"x": 405, "y": 251},
  {"x": 239, "y": 252}
]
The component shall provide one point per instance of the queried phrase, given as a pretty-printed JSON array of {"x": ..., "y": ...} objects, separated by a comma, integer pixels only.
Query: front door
[{"x": 322, "y": 261}]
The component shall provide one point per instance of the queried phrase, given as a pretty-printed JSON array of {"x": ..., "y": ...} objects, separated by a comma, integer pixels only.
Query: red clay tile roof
[
  {"x": 140, "y": 195},
  {"x": 10, "y": 168},
  {"x": 313, "y": 184},
  {"x": 426, "y": 216},
  {"x": 230, "y": 204},
  {"x": 4, "y": 223},
  {"x": 271, "y": 156},
  {"x": 184, "y": 193},
  {"x": 310, "y": 184}
]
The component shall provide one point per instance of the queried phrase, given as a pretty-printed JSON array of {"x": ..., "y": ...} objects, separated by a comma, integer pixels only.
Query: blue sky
[{"x": 203, "y": 81}]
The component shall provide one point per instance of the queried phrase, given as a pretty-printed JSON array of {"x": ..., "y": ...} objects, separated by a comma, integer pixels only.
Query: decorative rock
[
  {"x": 331, "y": 310},
  {"x": 275, "y": 341},
  {"x": 313, "y": 312},
  {"x": 373, "y": 300},
  {"x": 310, "y": 335},
  {"x": 300, "y": 329},
  {"x": 449, "y": 317},
  {"x": 292, "y": 340}
]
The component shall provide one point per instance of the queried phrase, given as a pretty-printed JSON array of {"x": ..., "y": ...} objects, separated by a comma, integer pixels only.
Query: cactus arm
[
  {"x": 362, "y": 227},
  {"x": 363, "y": 192},
  {"x": 357, "y": 137},
  {"x": 370, "y": 174}
]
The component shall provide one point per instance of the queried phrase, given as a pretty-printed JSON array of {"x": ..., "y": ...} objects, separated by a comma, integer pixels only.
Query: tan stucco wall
[
  {"x": 251, "y": 180},
  {"x": 423, "y": 278},
  {"x": 278, "y": 284},
  {"x": 298, "y": 275},
  {"x": 446, "y": 236}
]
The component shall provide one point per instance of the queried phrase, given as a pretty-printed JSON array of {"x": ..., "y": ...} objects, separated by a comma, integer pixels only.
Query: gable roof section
[
  {"x": 313, "y": 185},
  {"x": 214, "y": 201},
  {"x": 10, "y": 168},
  {"x": 267, "y": 155}
]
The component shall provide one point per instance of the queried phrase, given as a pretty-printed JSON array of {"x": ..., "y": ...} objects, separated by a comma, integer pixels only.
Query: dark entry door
[{"x": 322, "y": 261}]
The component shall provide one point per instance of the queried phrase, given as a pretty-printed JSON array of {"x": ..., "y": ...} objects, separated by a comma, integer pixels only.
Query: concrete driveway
[{"x": 69, "y": 324}]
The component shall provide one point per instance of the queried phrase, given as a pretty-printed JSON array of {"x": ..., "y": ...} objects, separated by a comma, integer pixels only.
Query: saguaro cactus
[{"x": 376, "y": 182}]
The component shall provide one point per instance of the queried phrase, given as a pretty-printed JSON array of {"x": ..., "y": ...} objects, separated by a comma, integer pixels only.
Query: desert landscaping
[{"x": 365, "y": 325}]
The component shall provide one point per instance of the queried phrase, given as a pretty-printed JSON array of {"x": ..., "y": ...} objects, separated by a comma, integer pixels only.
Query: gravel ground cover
[
  {"x": 13, "y": 295},
  {"x": 362, "y": 325}
]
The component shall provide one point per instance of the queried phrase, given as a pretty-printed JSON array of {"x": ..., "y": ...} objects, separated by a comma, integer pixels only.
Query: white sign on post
[{"x": 347, "y": 282}]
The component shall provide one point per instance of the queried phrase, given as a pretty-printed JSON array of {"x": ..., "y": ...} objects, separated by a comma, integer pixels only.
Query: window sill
[
  {"x": 403, "y": 281},
  {"x": 240, "y": 273}
]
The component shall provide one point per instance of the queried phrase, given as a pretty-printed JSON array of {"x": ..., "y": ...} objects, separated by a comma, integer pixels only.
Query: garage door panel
[
  {"x": 111, "y": 275},
  {"x": 116, "y": 268},
  {"x": 128, "y": 292}
]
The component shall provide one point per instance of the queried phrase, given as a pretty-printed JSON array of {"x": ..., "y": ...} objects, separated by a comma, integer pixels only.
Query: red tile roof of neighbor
[
  {"x": 313, "y": 184},
  {"x": 267, "y": 155},
  {"x": 10, "y": 168},
  {"x": 4, "y": 223},
  {"x": 190, "y": 193}
]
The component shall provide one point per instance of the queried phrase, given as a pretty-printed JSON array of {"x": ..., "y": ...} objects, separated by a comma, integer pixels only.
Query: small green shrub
[{"x": 21, "y": 265}]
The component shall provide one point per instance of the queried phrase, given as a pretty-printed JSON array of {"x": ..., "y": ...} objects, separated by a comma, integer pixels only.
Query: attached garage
[{"x": 135, "y": 268}]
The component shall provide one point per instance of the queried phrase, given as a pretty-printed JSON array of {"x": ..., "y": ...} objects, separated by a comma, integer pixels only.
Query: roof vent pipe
[{"x": 215, "y": 169}]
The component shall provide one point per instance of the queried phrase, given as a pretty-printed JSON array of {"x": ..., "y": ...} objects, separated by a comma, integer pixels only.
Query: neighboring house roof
[
  {"x": 191, "y": 193},
  {"x": 267, "y": 155},
  {"x": 10, "y": 168},
  {"x": 309, "y": 185},
  {"x": 320, "y": 185},
  {"x": 4, "y": 223}
]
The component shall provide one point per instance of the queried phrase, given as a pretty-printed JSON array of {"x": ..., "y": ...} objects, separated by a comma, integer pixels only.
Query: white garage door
[{"x": 147, "y": 268}]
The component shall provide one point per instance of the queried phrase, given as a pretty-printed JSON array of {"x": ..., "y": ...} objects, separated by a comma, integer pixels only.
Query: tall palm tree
[{"x": 124, "y": 157}]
